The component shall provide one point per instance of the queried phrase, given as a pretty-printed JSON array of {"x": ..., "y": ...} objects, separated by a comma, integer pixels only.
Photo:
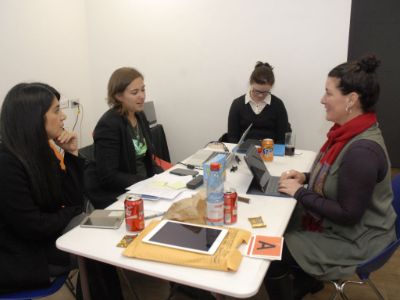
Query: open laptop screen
[
  {"x": 244, "y": 135},
  {"x": 257, "y": 167}
]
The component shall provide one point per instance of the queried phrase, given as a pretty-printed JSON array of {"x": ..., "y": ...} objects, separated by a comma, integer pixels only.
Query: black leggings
[{"x": 287, "y": 265}]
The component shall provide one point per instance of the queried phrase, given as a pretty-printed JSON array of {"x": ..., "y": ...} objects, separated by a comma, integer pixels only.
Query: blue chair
[
  {"x": 38, "y": 293},
  {"x": 366, "y": 268}
]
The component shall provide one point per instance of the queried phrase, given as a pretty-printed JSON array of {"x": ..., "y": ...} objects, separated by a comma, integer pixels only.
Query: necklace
[{"x": 135, "y": 130}]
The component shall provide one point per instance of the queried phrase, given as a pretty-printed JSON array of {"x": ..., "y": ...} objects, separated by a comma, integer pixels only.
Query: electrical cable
[
  {"x": 189, "y": 166},
  {"x": 80, "y": 124},
  {"x": 77, "y": 115}
]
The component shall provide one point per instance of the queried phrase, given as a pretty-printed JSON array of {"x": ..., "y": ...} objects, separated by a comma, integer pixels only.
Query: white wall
[
  {"x": 196, "y": 56},
  {"x": 45, "y": 40}
]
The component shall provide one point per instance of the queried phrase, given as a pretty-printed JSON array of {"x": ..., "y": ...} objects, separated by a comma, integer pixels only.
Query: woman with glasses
[{"x": 258, "y": 106}]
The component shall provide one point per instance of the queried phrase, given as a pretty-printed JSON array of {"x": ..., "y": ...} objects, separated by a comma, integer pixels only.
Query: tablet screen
[
  {"x": 185, "y": 236},
  {"x": 104, "y": 219}
]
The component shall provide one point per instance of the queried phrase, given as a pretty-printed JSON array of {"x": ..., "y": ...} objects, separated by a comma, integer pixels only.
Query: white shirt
[{"x": 258, "y": 106}]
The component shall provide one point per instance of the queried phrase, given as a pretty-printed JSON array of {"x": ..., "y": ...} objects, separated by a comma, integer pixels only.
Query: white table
[{"x": 100, "y": 244}]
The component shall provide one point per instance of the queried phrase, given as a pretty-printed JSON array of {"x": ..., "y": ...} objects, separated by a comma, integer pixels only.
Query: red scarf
[{"x": 338, "y": 137}]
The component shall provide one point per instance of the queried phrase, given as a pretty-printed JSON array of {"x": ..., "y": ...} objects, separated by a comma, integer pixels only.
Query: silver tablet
[
  {"x": 184, "y": 236},
  {"x": 110, "y": 219}
]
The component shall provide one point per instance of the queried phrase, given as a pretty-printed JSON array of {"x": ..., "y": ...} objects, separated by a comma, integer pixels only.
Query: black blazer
[
  {"x": 28, "y": 232},
  {"x": 114, "y": 168}
]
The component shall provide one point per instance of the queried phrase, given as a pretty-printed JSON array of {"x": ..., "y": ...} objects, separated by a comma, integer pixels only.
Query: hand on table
[{"x": 291, "y": 181}]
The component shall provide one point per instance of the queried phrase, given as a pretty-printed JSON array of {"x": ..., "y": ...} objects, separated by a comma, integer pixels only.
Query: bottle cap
[{"x": 214, "y": 166}]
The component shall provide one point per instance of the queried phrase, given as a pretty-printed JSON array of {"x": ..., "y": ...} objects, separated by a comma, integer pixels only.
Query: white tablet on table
[{"x": 184, "y": 236}]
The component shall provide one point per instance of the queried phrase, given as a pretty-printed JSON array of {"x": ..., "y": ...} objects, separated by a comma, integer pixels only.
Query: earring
[{"x": 348, "y": 109}]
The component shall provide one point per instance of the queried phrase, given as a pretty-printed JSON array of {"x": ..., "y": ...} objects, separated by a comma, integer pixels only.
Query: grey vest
[{"x": 336, "y": 252}]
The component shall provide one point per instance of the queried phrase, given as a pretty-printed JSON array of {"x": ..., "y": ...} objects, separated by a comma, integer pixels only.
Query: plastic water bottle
[{"x": 215, "y": 196}]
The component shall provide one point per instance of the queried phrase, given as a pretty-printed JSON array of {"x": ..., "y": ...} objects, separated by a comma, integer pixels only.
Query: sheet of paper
[{"x": 160, "y": 186}]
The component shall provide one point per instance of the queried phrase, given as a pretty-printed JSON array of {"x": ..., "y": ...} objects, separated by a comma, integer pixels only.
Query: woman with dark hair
[
  {"x": 39, "y": 194},
  {"x": 122, "y": 140},
  {"x": 258, "y": 106},
  {"x": 345, "y": 215}
]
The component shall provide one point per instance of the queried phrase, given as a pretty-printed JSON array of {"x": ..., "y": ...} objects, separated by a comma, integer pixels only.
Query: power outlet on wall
[
  {"x": 64, "y": 104},
  {"x": 73, "y": 103}
]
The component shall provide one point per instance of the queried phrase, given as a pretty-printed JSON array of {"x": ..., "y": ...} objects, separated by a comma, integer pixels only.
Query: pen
[{"x": 159, "y": 214}]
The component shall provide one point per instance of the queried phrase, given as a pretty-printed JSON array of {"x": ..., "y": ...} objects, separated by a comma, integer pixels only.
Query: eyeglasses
[{"x": 260, "y": 93}]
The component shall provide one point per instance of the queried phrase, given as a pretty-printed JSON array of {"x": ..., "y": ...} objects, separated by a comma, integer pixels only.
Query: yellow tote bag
[{"x": 227, "y": 257}]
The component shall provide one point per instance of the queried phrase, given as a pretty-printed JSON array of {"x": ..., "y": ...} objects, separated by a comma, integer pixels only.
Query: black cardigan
[
  {"x": 114, "y": 168},
  {"x": 271, "y": 122},
  {"x": 27, "y": 232}
]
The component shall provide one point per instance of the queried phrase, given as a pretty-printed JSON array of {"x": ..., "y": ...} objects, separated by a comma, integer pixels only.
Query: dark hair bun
[
  {"x": 261, "y": 64},
  {"x": 368, "y": 63}
]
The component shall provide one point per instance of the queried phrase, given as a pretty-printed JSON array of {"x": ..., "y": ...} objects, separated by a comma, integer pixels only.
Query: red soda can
[
  {"x": 230, "y": 206},
  {"x": 134, "y": 213}
]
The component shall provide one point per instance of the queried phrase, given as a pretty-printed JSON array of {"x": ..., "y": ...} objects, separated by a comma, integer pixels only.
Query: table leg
[{"x": 84, "y": 278}]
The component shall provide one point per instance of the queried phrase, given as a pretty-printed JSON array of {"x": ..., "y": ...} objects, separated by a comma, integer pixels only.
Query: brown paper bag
[
  {"x": 227, "y": 257},
  {"x": 190, "y": 210}
]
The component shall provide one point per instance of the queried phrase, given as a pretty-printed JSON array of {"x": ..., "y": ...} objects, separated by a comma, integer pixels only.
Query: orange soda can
[{"x": 267, "y": 146}]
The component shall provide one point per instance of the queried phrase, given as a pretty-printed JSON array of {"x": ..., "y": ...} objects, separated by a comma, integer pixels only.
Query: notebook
[{"x": 263, "y": 183}]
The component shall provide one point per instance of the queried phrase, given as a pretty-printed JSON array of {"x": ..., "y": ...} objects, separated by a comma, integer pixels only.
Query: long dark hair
[
  {"x": 23, "y": 133},
  {"x": 359, "y": 76}
]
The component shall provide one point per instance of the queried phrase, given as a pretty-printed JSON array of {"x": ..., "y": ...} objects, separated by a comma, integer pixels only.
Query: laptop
[
  {"x": 238, "y": 146},
  {"x": 243, "y": 145},
  {"x": 263, "y": 182},
  {"x": 204, "y": 155},
  {"x": 246, "y": 145}
]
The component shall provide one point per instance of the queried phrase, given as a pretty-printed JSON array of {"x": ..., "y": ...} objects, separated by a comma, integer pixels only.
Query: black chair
[
  {"x": 160, "y": 142},
  {"x": 373, "y": 264},
  {"x": 87, "y": 153},
  {"x": 223, "y": 138}
]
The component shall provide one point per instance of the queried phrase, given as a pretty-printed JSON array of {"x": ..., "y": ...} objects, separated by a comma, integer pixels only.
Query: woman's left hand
[
  {"x": 68, "y": 141},
  {"x": 289, "y": 186}
]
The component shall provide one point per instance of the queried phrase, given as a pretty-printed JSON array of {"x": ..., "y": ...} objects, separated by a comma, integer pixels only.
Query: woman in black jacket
[
  {"x": 122, "y": 140},
  {"x": 39, "y": 194}
]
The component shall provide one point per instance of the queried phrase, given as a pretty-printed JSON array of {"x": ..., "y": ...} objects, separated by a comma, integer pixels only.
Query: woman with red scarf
[{"x": 344, "y": 213}]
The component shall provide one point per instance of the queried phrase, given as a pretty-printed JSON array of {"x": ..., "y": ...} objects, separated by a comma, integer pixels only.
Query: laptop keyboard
[{"x": 273, "y": 185}]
